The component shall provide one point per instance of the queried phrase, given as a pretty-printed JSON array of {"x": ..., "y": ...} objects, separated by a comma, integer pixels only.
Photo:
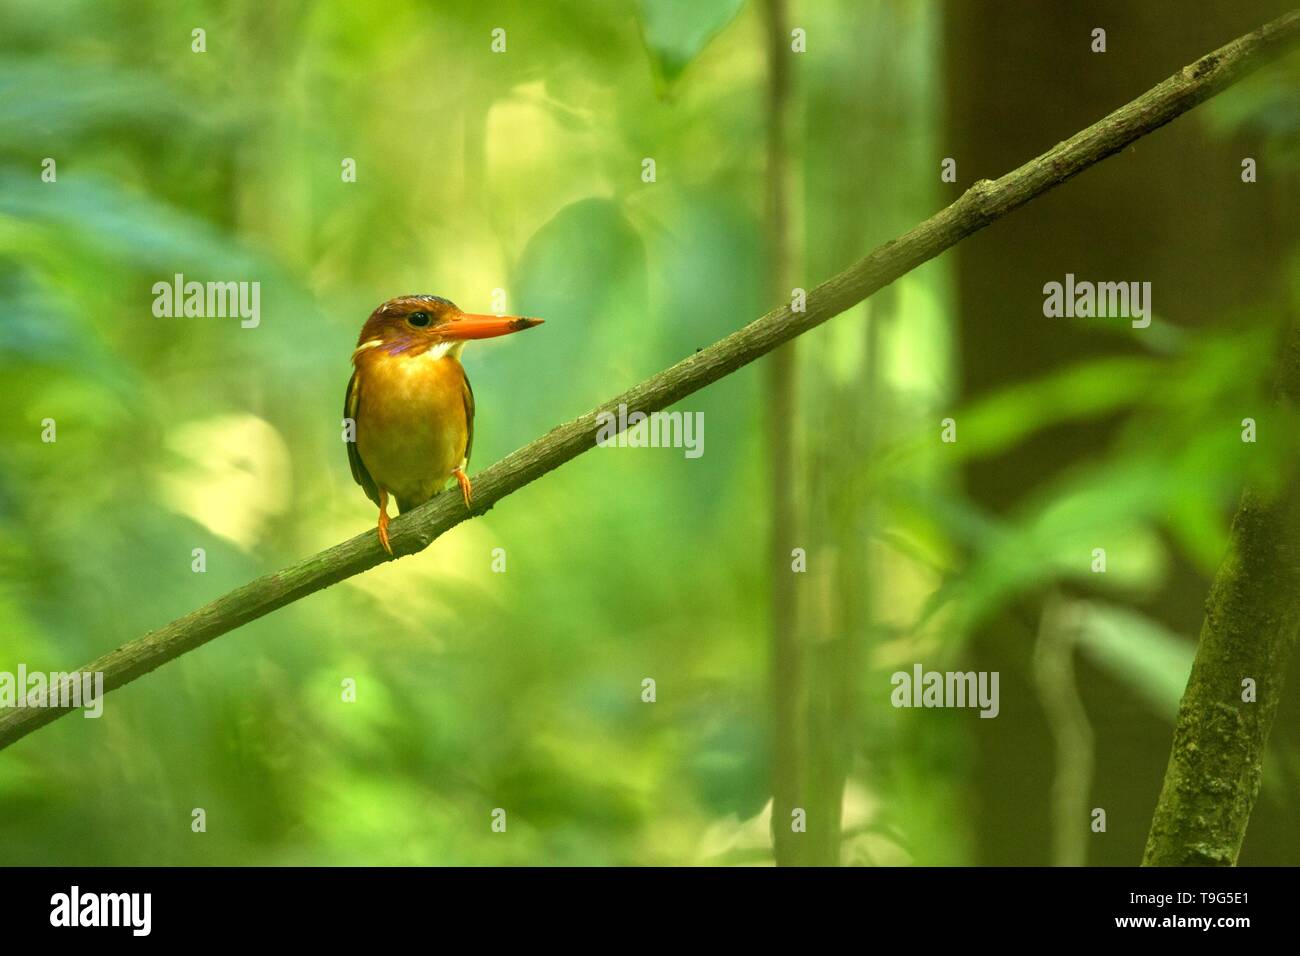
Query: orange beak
[{"x": 470, "y": 326}]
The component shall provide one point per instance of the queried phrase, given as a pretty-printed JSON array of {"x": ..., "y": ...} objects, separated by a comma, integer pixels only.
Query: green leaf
[
  {"x": 581, "y": 262},
  {"x": 675, "y": 31},
  {"x": 1152, "y": 661}
]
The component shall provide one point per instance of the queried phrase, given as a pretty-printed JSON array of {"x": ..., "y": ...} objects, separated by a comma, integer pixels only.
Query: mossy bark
[{"x": 1251, "y": 620}]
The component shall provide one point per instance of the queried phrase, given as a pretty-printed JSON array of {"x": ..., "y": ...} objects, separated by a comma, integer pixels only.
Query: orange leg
[
  {"x": 383, "y": 520},
  {"x": 466, "y": 489}
]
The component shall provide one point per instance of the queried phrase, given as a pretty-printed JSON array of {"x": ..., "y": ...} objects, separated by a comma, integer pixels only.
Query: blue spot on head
[{"x": 431, "y": 298}]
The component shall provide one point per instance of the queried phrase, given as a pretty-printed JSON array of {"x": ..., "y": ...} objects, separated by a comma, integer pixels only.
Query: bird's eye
[{"x": 418, "y": 319}]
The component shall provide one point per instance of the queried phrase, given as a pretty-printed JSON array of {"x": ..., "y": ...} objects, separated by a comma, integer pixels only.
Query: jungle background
[{"x": 522, "y": 171}]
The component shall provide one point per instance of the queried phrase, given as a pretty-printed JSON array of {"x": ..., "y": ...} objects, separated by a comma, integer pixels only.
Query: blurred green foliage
[{"x": 521, "y": 690}]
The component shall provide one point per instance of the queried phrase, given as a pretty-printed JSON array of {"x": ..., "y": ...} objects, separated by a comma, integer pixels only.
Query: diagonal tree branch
[{"x": 980, "y": 205}]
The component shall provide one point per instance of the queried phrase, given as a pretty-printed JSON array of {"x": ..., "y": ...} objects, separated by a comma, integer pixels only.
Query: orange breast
[{"x": 412, "y": 427}]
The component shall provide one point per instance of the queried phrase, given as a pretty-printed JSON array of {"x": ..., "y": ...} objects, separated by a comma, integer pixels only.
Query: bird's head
[{"x": 414, "y": 324}]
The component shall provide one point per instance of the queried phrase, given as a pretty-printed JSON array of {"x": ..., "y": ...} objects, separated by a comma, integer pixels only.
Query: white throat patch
[{"x": 443, "y": 349}]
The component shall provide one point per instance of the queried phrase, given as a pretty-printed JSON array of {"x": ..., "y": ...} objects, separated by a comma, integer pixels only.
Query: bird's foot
[
  {"x": 383, "y": 525},
  {"x": 466, "y": 489}
]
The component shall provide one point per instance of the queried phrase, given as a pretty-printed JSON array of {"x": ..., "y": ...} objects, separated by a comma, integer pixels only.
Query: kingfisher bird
[{"x": 410, "y": 401}]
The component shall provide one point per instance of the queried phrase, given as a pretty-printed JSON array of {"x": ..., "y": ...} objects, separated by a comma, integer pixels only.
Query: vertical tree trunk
[
  {"x": 788, "y": 742},
  {"x": 1250, "y": 627},
  {"x": 1035, "y": 61}
]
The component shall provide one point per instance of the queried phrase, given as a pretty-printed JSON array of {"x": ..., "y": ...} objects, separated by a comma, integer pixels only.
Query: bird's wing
[
  {"x": 469, "y": 417},
  {"x": 352, "y": 410}
]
